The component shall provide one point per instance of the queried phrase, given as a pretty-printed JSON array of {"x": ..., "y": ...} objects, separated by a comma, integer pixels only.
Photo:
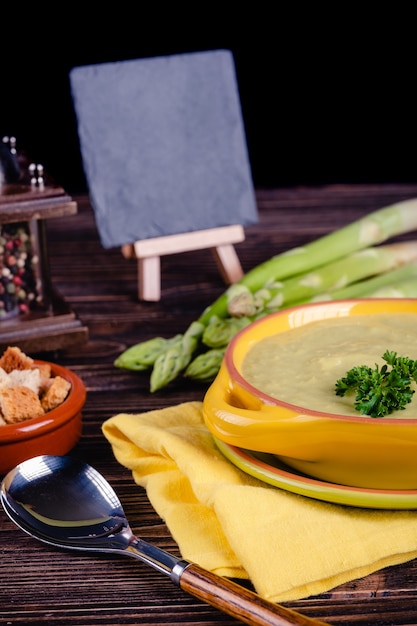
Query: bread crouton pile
[{"x": 27, "y": 390}]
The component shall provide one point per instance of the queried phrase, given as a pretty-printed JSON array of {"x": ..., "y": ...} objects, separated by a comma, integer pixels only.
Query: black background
[{"x": 326, "y": 98}]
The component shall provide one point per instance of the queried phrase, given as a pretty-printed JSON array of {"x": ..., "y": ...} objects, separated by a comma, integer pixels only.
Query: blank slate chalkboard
[{"x": 163, "y": 145}]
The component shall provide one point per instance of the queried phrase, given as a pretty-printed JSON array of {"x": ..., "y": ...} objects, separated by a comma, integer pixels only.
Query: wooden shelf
[
  {"x": 57, "y": 328},
  {"x": 52, "y": 325}
]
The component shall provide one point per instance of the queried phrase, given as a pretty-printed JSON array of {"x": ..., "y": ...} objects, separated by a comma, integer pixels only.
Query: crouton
[
  {"x": 19, "y": 403},
  {"x": 56, "y": 393},
  {"x": 25, "y": 378},
  {"x": 14, "y": 359}
]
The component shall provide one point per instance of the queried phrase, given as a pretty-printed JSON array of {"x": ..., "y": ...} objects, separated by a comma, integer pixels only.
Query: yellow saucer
[{"x": 269, "y": 469}]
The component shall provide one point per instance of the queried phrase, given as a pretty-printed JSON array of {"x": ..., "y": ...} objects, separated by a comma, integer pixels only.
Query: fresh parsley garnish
[{"x": 380, "y": 390}]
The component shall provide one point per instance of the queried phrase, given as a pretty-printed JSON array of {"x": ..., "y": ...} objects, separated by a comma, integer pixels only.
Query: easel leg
[
  {"x": 228, "y": 263},
  {"x": 148, "y": 252},
  {"x": 128, "y": 251},
  {"x": 149, "y": 278}
]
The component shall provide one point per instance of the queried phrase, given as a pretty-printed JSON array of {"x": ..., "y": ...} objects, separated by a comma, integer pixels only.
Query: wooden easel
[
  {"x": 149, "y": 251},
  {"x": 187, "y": 170}
]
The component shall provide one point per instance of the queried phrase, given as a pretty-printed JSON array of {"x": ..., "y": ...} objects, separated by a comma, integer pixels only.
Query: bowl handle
[{"x": 229, "y": 418}]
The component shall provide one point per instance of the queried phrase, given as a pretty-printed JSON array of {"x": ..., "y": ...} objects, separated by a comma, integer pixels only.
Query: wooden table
[{"x": 42, "y": 585}]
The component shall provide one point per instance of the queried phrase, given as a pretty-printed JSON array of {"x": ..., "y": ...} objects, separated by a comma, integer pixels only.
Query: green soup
[{"x": 302, "y": 365}]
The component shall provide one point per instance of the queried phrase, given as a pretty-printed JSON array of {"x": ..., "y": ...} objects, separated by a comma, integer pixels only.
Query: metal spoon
[{"x": 67, "y": 503}]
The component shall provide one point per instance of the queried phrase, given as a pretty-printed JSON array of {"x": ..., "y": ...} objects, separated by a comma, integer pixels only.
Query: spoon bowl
[{"x": 66, "y": 503}]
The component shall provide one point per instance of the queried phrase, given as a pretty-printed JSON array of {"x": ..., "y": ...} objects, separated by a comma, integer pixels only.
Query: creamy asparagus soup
[{"x": 302, "y": 365}]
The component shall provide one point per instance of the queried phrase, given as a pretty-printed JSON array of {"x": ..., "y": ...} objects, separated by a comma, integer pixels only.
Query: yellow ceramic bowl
[
  {"x": 358, "y": 451},
  {"x": 55, "y": 432}
]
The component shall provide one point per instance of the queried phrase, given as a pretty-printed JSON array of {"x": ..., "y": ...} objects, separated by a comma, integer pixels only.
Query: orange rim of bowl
[
  {"x": 235, "y": 374},
  {"x": 68, "y": 410}
]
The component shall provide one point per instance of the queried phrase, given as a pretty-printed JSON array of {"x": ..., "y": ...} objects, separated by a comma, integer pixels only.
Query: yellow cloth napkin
[{"x": 289, "y": 546}]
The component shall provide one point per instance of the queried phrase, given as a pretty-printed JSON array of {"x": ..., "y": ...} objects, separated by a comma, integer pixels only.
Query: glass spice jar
[{"x": 19, "y": 288}]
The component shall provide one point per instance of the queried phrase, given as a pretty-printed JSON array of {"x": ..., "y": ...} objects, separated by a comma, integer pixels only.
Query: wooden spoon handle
[{"x": 240, "y": 603}]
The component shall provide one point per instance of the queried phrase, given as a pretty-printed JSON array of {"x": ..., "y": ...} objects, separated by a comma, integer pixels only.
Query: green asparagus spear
[
  {"x": 403, "y": 289},
  {"x": 176, "y": 358},
  {"x": 364, "y": 288},
  {"x": 206, "y": 365},
  {"x": 142, "y": 356},
  {"x": 372, "y": 229},
  {"x": 351, "y": 268},
  {"x": 219, "y": 331}
]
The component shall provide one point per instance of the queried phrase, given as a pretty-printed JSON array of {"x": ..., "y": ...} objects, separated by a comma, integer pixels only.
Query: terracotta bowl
[
  {"x": 352, "y": 450},
  {"x": 56, "y": 432}
]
